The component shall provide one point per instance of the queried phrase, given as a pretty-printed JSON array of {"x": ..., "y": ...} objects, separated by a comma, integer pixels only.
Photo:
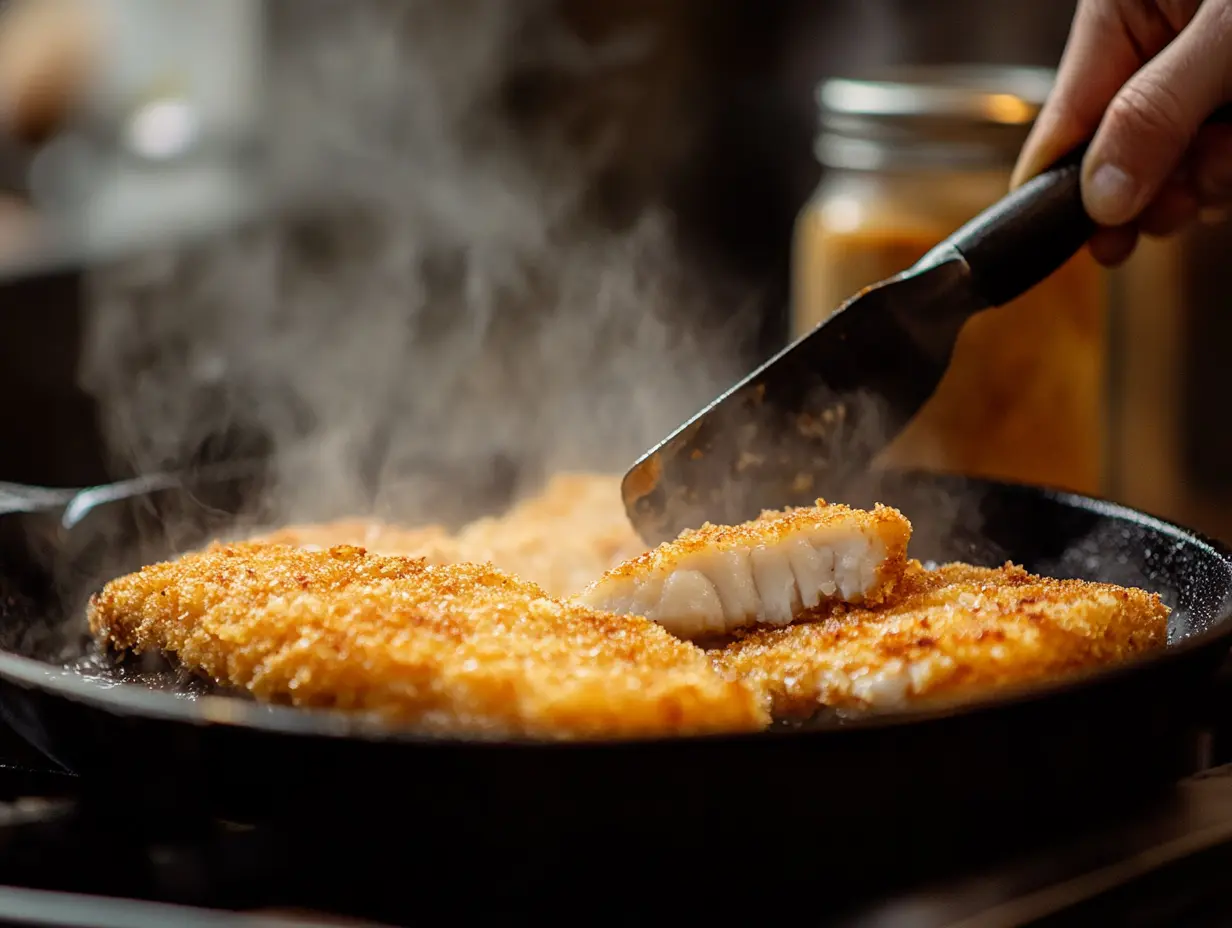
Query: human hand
[{"x": 1141, "y": 77}]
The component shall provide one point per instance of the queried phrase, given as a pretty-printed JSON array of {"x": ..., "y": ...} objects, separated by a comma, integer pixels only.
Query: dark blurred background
[{"x": 714, "y": 121}]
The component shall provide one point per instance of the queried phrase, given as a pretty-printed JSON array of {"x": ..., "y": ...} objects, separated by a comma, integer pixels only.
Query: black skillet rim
[{"x": 287, "y": 721}]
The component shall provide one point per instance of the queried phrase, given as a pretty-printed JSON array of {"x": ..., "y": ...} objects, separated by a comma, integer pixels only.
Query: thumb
[
  {"x": 1091, "y": 71},
  {"x": 1154, "y": 118}
]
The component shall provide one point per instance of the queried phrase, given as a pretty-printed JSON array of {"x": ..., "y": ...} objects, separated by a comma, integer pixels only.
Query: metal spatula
[{"x": 811, "y": 419}]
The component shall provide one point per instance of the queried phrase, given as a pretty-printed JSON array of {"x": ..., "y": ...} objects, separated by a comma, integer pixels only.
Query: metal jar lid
[{"x": 951, "y": 116}]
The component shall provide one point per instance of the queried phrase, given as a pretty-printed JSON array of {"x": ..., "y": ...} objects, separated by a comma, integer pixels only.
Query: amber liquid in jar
[{"x": 1024, "y": 398}]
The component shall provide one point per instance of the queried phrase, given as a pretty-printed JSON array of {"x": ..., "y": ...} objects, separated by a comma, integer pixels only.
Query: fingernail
[{"x": 1110, "y": 193}]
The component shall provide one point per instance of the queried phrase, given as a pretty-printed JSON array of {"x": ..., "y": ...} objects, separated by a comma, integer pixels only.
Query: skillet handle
[
  {"x": 16, "y": 498},
  {"x": 1027, "y": 235}
]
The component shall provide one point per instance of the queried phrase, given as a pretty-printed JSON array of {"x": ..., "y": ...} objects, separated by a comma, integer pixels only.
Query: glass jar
[{"x": 909, "y": 156}]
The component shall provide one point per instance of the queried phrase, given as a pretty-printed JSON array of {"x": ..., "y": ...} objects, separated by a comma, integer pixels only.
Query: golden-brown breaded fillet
[
  {"x": 562, "y": 538},
  {"x": 463, "y": 648},
  {"x": 767, "y": 571},
  {"x": 955, "y": 632}
]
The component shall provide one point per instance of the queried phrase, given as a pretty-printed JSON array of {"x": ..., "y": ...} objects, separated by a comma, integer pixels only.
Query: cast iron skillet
[{"x": 1021, "y": 757}]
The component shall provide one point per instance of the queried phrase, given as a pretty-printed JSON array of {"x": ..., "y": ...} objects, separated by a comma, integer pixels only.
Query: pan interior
[{"x": 51, "y": 567}]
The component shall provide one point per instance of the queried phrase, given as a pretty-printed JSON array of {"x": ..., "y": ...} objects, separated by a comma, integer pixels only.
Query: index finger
[{"x": 1100, "y": 56}]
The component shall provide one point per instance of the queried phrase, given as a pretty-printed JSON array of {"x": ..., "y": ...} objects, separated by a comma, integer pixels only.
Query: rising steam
[{"x": 443, "y": 307}]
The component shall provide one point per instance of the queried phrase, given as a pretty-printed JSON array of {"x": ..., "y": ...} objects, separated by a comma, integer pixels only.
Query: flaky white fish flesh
[
  {"x": 766, "y": 572},
  {"x": 947, "y": 635}
]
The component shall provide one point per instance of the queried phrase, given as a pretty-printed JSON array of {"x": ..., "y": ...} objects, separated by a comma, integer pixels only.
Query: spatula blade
[{"x": 812, "y": 419}]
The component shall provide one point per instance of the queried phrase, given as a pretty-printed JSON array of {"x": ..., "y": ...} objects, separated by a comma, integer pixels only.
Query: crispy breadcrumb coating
[
  {"x": 464, "y": 649},
  {"x": 561, "y": 538},
  {"x": 951, "y": 633},
  {"x": 767, "y": 571}
]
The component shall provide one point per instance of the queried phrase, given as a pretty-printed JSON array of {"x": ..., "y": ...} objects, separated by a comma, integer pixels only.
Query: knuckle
[
  {"x": 1147, "y": 109},
  {"x": 1219, "y": 14}
]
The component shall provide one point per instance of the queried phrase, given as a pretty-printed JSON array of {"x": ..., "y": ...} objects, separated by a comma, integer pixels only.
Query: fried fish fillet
[
  {"x": 458, "y": 648},
  {"x": 561, "y": 538},
  {"x": 949, "y": 634},
  {"x": 768, "y": 571}
]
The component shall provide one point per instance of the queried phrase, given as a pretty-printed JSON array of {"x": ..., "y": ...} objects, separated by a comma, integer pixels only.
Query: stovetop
[{"x": 68, "y": 859}]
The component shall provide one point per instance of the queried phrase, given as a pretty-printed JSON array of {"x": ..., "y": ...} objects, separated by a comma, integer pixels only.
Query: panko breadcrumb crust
[
  {"x": 953, "y": 632},
  {"x": 459, "y": 648},
  {"x": 889, "y": 525}
]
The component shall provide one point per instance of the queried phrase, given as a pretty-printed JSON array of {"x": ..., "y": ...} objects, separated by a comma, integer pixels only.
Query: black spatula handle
[{"x": 1026, "y": 236}]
